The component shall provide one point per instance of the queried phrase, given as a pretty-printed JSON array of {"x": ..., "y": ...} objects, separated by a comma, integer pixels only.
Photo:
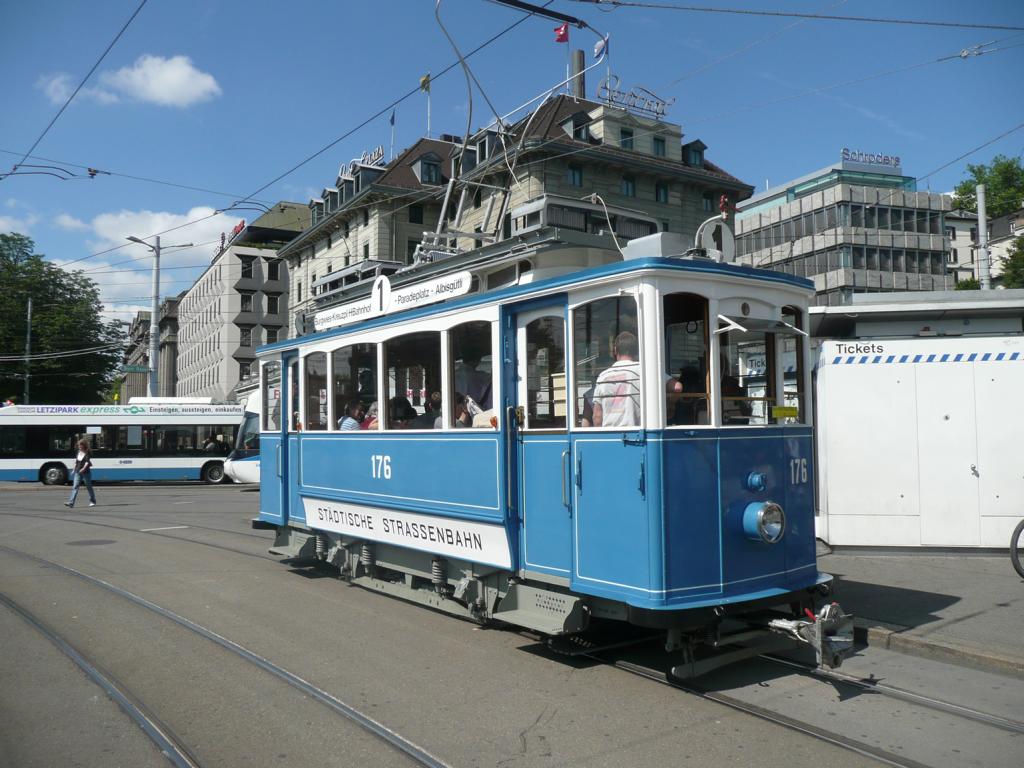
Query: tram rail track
[{"x": 417, "y": 754}]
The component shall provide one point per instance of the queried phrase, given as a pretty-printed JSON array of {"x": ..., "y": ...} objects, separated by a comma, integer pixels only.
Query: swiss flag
[{"x": 562, "y": 33}]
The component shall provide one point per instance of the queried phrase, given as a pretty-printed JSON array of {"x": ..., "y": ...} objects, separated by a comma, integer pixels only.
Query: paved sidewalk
[{"x": 963, "y": 608}]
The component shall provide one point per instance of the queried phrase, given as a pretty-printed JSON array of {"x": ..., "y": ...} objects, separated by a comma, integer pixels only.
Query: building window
[
  {"x": 347, "y": 228},
  {"x": 581, "y": 132},
  {"x": 244, "y": 368},
  {"x": 575, "y": 176},
  {"x": 696, "y": 157},
  {"x": 366, "y": 217},
  {"x": 416, "y": 214},
  {"x": 298, "y": 291},
  {"x": 431, "y": 172},
  {"x": 664, "y": 225},
  {"x": 658, "y": 146},
  {"x": 247, "y": 266},
  {"x": 273, "y": 304},
  {"x": 245, "y": 337},
  {"x": 410, "y": 250},
  {"x": 661, "y": 192},
  {"x": 626, "y": 138},
  {"x": 274, "y": 269},
  {"x": 477, "y": 198},
  {"x": 246, "y": 302},
  {"x": 708, "y": 202},
  {"x": 272, "y": 335},
  {"x": 366, "y": 250},
  {"x": 629, "y": 186}
]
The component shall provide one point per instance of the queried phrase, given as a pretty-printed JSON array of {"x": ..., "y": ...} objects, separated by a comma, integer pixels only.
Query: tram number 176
[
  {"x": 380, "y": 467},
  {"x": 797, "y": 471}
]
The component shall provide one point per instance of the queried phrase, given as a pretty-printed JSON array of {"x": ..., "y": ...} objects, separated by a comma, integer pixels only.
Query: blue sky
[{"x": 226, "y": 96}]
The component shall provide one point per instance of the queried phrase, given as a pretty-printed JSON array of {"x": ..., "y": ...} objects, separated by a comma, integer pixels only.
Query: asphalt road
[{"x": 466, "y": 695}]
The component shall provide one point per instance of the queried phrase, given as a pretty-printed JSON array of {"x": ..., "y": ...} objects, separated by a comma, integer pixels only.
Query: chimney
[{"x": 578, "y": 85}]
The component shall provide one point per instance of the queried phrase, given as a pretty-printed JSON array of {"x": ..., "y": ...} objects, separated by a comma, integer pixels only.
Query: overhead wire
[{"x": 80, "y": 85}]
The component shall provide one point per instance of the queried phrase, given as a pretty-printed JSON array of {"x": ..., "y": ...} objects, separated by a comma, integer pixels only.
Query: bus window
[
  {"x": 471, "y": 376},
  {"x": 12, "y": 441},
  {"x": 176, "y": 440},
  {"x": 748, "y": 376},
  {"x": 215, "y": 439},
  {"x": 354, "y": 380},
  {"x": 686, "y": 359},
  {"x": 271, "y": 397},
  {"x": 606, "y": 363},
  {"x": 793, "y": 367},
  {"x": 316, "y": 391},
  {"x": 412, "y": 366},
  {"x": 545, "y": 373}
]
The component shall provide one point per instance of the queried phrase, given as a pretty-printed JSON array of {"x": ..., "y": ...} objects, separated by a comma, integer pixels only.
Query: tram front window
[
  {"x": 686, "y": 359},
  {"x": 748, "y": 382},
  {"x": 412, "y": 366}
]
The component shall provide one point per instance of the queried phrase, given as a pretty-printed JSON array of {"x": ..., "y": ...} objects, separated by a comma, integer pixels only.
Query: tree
[
  {"x": 968, "y": 284},
  {"x": 1013, "y": 265},
  {"x": 65, "y": 318},
  {"x": 1004, "y": 187}
]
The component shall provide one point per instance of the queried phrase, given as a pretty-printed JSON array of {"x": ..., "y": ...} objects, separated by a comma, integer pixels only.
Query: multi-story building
[
  {"x": 962, "y": 231},
  {"x": 167, "y": 357},
  {"x": 239, "y": 302},
  {"x": 574, "y": 148},
  {"x": 1003, "y": 231},
  {"x": 856, "y": 226},
  {"x": 369, "y": 221},
  {"x": 135, "y": 382}
]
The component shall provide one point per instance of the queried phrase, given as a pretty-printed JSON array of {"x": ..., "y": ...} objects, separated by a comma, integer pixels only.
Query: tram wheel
[{"x": 1017, "y": 548}]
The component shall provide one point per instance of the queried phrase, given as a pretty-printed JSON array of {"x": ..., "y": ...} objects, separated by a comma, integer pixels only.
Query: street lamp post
[{"x": 154, "y": 321}]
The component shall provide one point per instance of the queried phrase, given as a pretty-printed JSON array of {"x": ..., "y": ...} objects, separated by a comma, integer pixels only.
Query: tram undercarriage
[{"x": 700, "y": 639}]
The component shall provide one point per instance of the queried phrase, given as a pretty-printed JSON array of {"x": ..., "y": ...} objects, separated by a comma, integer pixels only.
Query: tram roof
[{"x": 670, "y": 264}]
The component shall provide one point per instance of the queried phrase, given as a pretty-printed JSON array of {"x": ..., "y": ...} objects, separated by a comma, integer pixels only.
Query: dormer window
[
  {"x": 578, "y": 126},
  {"x": 431, "y": 172},
  {"x": 626, "y": 138},
  {"x": 481, "y": 150},
  {"x": 658, "y": 146}
]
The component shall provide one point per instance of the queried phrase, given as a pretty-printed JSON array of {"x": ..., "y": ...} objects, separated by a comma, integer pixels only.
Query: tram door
[{"x": 538, "y": 391}]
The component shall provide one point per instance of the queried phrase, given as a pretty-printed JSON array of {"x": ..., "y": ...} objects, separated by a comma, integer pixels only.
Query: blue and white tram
[{"x": 625, "y": 443}]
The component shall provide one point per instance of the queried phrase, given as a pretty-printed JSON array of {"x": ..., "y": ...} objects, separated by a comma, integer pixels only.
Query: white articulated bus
[{"x": 149, "y": 440}]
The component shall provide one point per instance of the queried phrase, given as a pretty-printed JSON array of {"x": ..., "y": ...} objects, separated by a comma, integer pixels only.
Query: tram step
[{"x": 552, "y": 613}]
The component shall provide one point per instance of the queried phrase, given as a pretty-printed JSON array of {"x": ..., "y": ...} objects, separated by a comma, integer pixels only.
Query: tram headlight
[{"x": 764, "y": 521}]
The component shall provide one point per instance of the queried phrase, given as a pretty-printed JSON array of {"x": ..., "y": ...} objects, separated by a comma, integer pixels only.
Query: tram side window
[
  {"x": 471, "y": 376},
  {"x": 355, "y": 381},
  {"x": 686, "y": 359},
  {"x": 748, "y": 380},
  {"x": 272, "y": 397},
  {"x": 545, "y": 373},
  {"x": 315, "y": 417},
  {"x": 606, "y": 360},
  {"x": 793, "y": 367},
  {"x": 295, "y": 422},
  {"x": 413, "y": 369}
]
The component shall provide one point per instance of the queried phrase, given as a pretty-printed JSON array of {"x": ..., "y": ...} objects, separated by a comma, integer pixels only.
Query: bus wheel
[
  {"x": 213, "y": 473},
  {"x": 54, "y": 474}
]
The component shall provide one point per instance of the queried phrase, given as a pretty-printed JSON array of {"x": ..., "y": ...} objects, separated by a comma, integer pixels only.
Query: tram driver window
[
  {"x": 316, "y": 391},
  {"x": 355, "y": 382},
  {"x": 272, "y": 397},
  {"x": 748, "y": 381},
  {"x": 606, "y": 363},
  {"x": 686, "y": 359},
  {"x": 471, "y": 376},
  {"x": 793, "y": 367},
  {"x": 412, "y": 366}
]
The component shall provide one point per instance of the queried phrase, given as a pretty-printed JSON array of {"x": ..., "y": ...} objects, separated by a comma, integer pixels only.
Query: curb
[{"x": 893, "y": 637}]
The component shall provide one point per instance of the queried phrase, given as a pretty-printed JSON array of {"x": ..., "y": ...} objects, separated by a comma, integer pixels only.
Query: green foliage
[
  {"x": 968, "y": 284},
  {"x": 1013, "y": 265},
  {"x": 65, "y": 317},
  {"x": 1004, "y": 187}
]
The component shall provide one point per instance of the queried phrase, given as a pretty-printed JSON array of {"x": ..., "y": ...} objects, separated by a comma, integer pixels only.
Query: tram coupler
[{"x": 829, "y": 633}]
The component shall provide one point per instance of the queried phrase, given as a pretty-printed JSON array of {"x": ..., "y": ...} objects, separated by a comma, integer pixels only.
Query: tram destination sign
[{"x": 384, "y": 300}]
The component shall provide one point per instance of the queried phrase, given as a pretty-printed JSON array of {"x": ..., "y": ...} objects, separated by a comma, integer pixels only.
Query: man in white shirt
[{"x": 617, "y": 390}]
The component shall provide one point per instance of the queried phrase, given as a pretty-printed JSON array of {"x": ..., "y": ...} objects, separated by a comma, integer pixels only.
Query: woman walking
[{"x": 83, "y": 473}]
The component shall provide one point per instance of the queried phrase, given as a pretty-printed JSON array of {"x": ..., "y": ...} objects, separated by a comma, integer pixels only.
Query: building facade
[
  {"x": 852, "y": 227},
  {"x": 369, "y": 221},
  {"x": 135, "y": 382},
  {"x": 239, "y": 302},
  {"x": 962, "y": 232},
  {"x": 1003, "y": 231}
]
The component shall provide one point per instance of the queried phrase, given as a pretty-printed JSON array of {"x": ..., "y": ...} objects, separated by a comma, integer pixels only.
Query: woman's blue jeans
[{"x": 79, "y": 479}]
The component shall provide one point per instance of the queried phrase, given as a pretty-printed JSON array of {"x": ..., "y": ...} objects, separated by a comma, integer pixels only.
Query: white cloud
[
  {"x": 70, "y": 223},
  {"x": 22, "y": 225},
  {"x": 170, "y": 82}
]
